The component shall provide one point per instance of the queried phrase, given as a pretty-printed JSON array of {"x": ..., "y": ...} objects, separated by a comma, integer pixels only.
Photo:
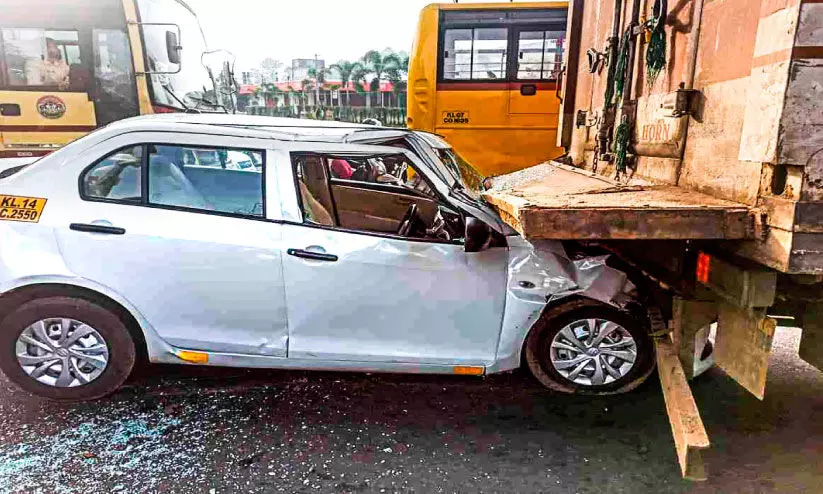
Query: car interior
[{"x": 381, "y": 194}]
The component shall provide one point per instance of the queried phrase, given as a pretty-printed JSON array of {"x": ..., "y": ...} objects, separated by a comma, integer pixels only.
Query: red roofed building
[{"x": 294, "y": 93}]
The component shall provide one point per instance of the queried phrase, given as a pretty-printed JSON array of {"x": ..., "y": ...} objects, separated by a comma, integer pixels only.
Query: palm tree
[
  {"x": 347, "y": 69},
  {"x": 270, "y": 92},
  {"x": 397, "y": 72},
  {"x": 332, "y": 89},
  {"x": 358, "y": 78},
  {"x": 305, "y": 86},
  {"x": 319, "y": 78},
  {"x": 380, "y": 65}
]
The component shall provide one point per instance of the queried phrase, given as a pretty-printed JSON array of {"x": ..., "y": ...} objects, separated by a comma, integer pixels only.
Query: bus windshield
[{"x": 186, "y": 84}]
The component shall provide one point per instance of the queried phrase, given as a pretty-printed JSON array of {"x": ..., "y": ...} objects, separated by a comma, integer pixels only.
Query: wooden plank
[
  {"x": 631, "y": 224},
  {"x": 690, "y": 438},
  {"x": 688, "y": 319},
  {"x": 807, "y": 253},
  {"x": 556, "y": 201},
  {"x": 742, "y": 346},
  {"x": 811, "y": 341}
]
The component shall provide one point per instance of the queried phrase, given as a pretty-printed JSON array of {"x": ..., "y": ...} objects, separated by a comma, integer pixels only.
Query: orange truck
[{"x": 689, "y": 145}]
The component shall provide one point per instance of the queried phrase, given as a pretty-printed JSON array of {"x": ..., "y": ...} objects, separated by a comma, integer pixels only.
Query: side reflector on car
[
  {"x": 193, "y": 357},
  {"x": 469, "y": 370}
]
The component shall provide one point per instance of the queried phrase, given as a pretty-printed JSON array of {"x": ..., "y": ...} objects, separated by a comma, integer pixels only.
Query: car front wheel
[
  {"x": 586, "y": 347},
  {"x": 65, "y": 348}
]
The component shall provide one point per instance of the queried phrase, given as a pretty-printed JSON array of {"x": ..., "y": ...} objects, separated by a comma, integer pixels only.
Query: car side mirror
[
  {"x": 478, "y": 235},
  {"x": 173, "y": 47}
]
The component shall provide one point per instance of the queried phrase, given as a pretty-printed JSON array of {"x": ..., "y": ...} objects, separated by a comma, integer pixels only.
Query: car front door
[
  {"x": 191, "y": 247},
  {"x": 376, "y": 296}
]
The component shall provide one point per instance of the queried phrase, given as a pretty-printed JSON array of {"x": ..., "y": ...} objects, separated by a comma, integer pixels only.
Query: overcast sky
[
  {"x": 334, "y": 30},
  {"x": 286, "y": 29}
]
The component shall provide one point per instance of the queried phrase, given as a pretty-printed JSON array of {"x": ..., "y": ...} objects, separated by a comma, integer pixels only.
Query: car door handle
[
  {"x": 315, "y": 256},
  {"x": 92, "y": 228}
]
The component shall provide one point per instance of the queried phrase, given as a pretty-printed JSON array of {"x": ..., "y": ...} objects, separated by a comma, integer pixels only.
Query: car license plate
[{"x": 17, "y": 208}]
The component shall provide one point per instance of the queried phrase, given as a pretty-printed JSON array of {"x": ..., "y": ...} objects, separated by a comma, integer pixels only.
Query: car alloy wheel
[
  {"x": 593, "y": 352},
  {"x": 62, "y": 352}
]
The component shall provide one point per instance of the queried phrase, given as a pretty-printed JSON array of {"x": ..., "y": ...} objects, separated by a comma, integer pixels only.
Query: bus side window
[
  {"x": 39, "y": 57},
  {"x": 457, "y": 54},
  {"x": 539, "y": 54},
  {"x": 475, "y": 54}
]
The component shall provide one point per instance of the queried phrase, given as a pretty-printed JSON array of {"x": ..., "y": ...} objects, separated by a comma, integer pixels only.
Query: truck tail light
[{"x": 704, "y": 262}]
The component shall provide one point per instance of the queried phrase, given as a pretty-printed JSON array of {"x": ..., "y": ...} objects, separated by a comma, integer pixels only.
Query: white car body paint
[{"x": 224, "y": 285}]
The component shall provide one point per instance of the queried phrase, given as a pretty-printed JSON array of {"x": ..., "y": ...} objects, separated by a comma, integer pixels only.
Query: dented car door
[{"x": 372, "y": 297}]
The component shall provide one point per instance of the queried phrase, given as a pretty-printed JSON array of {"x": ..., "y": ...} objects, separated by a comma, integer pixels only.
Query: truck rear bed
[{"x": 556, "y": 201}]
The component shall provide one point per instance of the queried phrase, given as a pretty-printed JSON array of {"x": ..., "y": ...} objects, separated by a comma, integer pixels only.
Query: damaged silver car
[{"x": 343, "y": 248}]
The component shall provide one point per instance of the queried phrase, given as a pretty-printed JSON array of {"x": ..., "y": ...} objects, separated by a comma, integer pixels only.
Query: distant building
[
  {"x": 300, "y": 68},
  {"x": 252, "y": 76}
]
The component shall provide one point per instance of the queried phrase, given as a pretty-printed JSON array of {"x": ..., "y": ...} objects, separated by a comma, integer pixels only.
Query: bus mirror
[{"x": 173, "y": 47}]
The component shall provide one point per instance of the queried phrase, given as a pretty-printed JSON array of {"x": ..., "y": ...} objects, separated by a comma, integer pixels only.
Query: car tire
[
  {"x": 107, "y": 327},
  {"x": 545, "y": 338}
]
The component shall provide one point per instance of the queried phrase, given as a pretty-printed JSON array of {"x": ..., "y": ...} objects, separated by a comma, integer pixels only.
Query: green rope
[
  {"x": 622, "y": 64},
  {"x": 610, "y": 74},
  {"x": 656, "y": 49},
  {"x": 621, "y": 145}
]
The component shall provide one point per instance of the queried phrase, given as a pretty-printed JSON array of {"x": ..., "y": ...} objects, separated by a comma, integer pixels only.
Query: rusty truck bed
[{"x": 556, "y": 201}]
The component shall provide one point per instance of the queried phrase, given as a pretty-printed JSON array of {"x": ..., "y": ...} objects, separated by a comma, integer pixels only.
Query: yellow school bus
[
  {"x": 485, "y": 76},
  {"x": 69, "y": 66}
]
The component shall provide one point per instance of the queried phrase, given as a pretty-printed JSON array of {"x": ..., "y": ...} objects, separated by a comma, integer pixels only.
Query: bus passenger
[{"x": 51, "y": 71}]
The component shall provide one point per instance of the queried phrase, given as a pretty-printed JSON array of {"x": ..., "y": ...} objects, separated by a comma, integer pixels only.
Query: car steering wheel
[{"x": 406, "y": 222}]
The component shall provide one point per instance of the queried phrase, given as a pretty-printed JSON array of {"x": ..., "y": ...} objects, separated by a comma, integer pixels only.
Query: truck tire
[
  {"x": 65, "y": 349},
  {"x": 565, "y": 355}
]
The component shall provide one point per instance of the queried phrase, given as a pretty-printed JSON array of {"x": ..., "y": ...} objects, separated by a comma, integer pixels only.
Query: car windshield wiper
[
  {"x": 171, "y": 93},
  {"x": 211, "y": 104}
]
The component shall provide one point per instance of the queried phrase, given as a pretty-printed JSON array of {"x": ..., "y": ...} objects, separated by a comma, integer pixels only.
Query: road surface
[{"x": 186, "y": 429}]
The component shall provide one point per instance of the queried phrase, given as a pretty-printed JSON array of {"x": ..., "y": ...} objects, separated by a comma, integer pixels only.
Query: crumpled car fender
[{"x": 541, "y": 273}]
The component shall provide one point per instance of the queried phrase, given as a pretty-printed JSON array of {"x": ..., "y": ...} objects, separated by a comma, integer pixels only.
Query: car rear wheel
[
  {"x": 66, "y": 349},
  {"x": 589, "y": 348}
]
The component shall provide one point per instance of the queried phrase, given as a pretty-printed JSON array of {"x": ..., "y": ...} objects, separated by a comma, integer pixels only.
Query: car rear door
[{"x": 195, "y": 252}]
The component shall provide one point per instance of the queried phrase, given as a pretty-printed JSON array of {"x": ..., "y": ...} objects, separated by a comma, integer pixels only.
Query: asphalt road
[{"x": 185, "y": 429}]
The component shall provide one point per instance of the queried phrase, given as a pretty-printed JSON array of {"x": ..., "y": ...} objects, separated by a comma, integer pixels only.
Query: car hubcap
[
  {"x": 62, "y": 352},
  {"x": 593, "y": 352}
]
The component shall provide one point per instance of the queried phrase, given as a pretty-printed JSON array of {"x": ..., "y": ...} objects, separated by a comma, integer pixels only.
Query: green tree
[
  {"x": 306, "y": 85},
  {"x": 358, "y": 78},
  {"x": 379, "y": 65},
  {"x": 318, "y": 78},
  {"x": 397, "y": 73},
  {"x": 347, "y": 71},
  {"x": 269, "y": 92}
]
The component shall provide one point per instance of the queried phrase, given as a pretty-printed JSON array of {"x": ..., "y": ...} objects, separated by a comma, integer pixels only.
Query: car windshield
[
  {"x": 462, "y": 170},
  {"x": 459, "y": 169}
]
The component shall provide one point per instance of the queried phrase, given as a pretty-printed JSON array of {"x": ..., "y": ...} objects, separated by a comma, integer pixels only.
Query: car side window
[
  {"x": 376, "y": 194},
  {"x": 116, "y": 177},
  {"x": 224, "y": 180}
]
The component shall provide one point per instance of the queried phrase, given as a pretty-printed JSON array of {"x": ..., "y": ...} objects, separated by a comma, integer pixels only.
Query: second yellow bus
[{"x": 485, "y": 76}]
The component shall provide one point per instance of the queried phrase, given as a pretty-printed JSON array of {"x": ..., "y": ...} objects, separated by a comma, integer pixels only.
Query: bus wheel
[
  {"x": 586, "y": 347},
  {"x": 65, "y": 349}
]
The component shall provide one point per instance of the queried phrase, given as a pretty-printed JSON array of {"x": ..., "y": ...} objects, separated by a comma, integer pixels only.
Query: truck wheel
[
  {"x": 65, "y": 348},
  {"x": 586, "y": 347}
]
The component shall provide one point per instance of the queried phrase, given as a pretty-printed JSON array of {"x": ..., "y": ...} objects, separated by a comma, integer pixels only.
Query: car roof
[{"x": 256, "y": 126}]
